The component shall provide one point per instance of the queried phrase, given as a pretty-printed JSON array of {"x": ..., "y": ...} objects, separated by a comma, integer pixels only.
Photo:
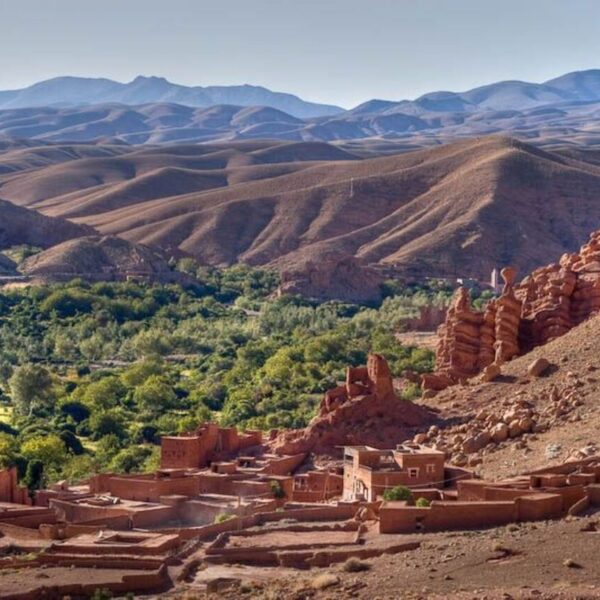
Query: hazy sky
[{"x": 336, "y": 51}]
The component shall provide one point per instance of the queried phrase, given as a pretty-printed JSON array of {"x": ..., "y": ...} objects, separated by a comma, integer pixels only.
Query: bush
[
  {"x": 276, "y": 489},
  {"x": 395, "y": 494},
  {"x": 222, "y": 517},
  {"x": 422, "y": 502},
  {"x": 353, "y": 565}
]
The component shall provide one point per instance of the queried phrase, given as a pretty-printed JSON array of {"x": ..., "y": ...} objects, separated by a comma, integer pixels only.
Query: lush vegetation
[{"x": 92, "y": 374}]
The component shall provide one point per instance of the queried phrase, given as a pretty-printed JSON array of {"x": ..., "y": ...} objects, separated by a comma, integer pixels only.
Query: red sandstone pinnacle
[
  {"x": 543, "y": 306},
  {"x": 472, "y": 340}
]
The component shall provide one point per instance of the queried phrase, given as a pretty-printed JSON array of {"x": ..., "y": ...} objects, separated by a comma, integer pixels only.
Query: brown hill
[
  {"x": 564, "y": 402},
  {"x": 454, "y": 211},
  {"x": 19, "y": 225},
  {"x": 100, "y": 258},
  {"x": 7, "y": 266}
]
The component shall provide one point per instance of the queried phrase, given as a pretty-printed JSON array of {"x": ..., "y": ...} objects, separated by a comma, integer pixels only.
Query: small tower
[{"x": 495, "y": 281}]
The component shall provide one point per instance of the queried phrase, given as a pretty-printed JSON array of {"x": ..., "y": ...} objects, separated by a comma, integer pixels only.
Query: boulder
[
  {"x": 460, "y": 460},
  {"x": 491, "y": 372},
  {"x": 538, "y": 367},
  {"x": 499, "y": 432},
  {"x": 525, "y": 424},
  {"x": 514, "y": 429}
]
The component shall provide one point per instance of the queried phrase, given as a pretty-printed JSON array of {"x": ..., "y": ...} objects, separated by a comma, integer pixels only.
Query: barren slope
[
  {"x": 22, "y": 226},
  {"x": 574, "y": 359},
  {"x": 457, "y": 210},
  {"x": 99, "y": 257}
]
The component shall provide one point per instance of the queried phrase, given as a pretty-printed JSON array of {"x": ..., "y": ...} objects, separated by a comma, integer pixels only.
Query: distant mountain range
[
  {"x": 565, "y": 110},
  {"x": 81, "y": 91}
]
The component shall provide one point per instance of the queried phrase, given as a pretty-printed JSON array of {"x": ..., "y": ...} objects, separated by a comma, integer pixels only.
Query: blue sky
[{"x": 336, "y": 51}]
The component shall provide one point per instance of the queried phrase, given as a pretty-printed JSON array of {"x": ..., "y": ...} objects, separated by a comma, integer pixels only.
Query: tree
[
  {"x": 67, "y": 303},
  {"x": 76, "y": 410},
  {"x": 155, "y": 395},
  {"x": 72, "y": 443},
  {"x": 107, "y": 423},
  {"x": 397, "y": 493},
  {"x": 31, "y": 389},
  {"x": 139, "y": 373},
  {"x": 276, "y": 489},
  {"x": 8, "y": 450},
  {"x": 130, "y": 459},
  {"x": 152, "y": 342},
  {"x": 65, "y": 348},
  {"x": 104, "y": 394},
  {"x": 49, "y": 449},
  {"x": 34, "y": 475}
]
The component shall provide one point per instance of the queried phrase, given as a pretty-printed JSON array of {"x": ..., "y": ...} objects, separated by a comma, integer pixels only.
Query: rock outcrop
[
  {"x": 472, "y": 340},
  {"x": 330, "y": 276},
  {"x": 545, "y": 305},
  {"x": 365, "y": 410},
  {"x": 101, "y": 258}
]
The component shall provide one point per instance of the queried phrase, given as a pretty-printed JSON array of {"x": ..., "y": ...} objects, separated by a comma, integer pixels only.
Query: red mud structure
[
  {"x": 208, "y": 443},
  {"x": 545, "y": 494},
  {"x": 91, "y": 537},
  {"x": 364, "y": 410},
  {"x": 10, "y": 490},
  {"x": 544, "y": 306},
  {"x": 368, "y": 472}
]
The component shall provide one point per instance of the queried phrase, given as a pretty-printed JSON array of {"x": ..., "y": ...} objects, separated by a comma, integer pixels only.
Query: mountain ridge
[
  {"x": 74, "y": 91},
  {"x": 457, "y": 210}
]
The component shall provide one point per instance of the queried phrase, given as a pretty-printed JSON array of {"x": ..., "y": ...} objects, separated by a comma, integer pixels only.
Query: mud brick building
[
  {"x": 368, "y": 472},
  {"x": 209, "y": 442},
  {"x": 549, "y": 493}
]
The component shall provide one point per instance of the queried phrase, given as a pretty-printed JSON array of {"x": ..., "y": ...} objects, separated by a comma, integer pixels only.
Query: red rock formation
[
  {"x": 544, "y": 306},
  {"x": 506, "y": 321},
  {"x": 471, "y": 340},
  {"x": 363, "y": 411},
  {"x": 330, "y": 275},
  {"x": 457, "y": 354}
]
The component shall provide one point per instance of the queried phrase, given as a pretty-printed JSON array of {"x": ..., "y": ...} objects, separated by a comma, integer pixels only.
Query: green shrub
[
  {"x": 397, "y": 493},
  {"x": 276, "y": 489},
  {"x": 422, "y": 502},
  {"x": 222, "y": 517}
]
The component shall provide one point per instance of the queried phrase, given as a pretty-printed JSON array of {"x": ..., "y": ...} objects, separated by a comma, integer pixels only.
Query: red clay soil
[
  {"x": 14, "y": 582},
  {"x": 547, "y": 560}
]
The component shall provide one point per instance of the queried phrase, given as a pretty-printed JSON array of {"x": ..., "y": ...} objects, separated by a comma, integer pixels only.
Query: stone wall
[{"x": 397, "y": 517}]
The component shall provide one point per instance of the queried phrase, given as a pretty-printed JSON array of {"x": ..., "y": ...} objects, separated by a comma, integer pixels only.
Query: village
[{"x": 226, "y": 498}]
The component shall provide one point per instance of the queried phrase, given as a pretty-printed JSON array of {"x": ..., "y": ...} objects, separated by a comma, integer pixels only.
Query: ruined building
[
  {"x": 544, "y": 306},
  {"x": 363, "y": 410}
]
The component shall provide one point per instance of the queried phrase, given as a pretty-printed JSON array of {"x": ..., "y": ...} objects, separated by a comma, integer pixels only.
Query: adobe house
[
  {"x": 548, "y": 493},
  {"x": 317, "y": 486},
  {"x": 209, "y": 442},
  {"x": 368, "y": 472},
  {"x": 10, "y": 490}
]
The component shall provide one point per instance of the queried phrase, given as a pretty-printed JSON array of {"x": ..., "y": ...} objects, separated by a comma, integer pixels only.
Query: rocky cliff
[{"x": 545, "y": 305}]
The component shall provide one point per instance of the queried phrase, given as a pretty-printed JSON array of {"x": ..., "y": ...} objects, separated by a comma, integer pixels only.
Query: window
[
  {"x": 431, "y": 468},
  {"x": 413, "y": 473}
]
